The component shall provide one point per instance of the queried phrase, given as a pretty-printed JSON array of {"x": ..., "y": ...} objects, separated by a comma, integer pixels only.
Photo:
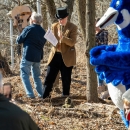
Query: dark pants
[{"x": 54, "y": 67}]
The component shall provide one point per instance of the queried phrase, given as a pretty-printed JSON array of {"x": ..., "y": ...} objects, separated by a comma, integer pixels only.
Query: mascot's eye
[{"x": 117, "y": 3}]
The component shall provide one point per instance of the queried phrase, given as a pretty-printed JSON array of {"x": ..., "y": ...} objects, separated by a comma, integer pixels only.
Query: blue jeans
[{"x": 34, "y": 67}]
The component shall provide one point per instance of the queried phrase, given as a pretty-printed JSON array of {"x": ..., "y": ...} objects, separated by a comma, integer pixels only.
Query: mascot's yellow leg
[{"x": 116, "y": 94}]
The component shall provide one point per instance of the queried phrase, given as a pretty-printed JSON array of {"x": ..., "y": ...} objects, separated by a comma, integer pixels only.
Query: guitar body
[{"x": 20, "y": 15}]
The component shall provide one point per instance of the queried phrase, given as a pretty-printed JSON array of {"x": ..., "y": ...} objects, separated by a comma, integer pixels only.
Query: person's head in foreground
[
  {"x": 11, "y": 116},
  {"x": 62, "y": 15},
  {"x": 5, "y": 89},
  {"x": 35, "y": 18}
]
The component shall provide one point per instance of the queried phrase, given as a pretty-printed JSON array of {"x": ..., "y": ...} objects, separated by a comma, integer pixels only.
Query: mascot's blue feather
[{"x": 113, "y": 61}]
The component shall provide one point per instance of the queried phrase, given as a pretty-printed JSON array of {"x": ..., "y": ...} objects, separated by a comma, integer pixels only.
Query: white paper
[{"x": 50, "y": 37}]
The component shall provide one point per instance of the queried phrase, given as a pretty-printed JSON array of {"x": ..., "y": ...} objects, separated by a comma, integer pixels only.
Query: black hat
[{"x": 61, "y": 13}]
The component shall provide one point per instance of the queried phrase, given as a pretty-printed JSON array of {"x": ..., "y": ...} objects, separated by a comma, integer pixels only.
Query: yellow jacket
[{"x": 68, "y": 41}]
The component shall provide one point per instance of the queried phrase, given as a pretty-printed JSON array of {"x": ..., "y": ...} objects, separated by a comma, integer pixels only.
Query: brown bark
[
  {"x": 81, "y": 9},
  {"x": 69, "y": 4},
  {"x": 86, "y": 16},
  {"x": 90, "y": 42},
  {"x": 50, "y": 4},
  {"x": 44, "y": 14}
]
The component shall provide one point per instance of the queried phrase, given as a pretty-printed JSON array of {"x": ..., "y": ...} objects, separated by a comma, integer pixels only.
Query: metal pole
[
  {"x": 39, "y": 6},
  {"x": 11, "y": 42}
]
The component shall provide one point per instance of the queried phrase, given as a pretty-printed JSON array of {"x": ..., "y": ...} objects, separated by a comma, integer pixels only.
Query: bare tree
[
  {"x": 90, "y": 42},
  {"x": 44, "y": 14},
  {"x": 70, "y": 4},
  {"x": 50, "y": 4},
  {"x": 86, "y": 15},
  {"x": 81, "y": 8}
]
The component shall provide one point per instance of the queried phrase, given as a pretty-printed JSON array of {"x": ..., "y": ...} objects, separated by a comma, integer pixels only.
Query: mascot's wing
[
  {"x": 114, "y": 76},
  {"x": 113, "y": 66},
  {"x": 103, "y": 56}
]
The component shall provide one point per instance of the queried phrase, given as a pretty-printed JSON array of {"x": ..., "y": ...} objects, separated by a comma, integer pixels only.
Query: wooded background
[
  {"x": 50, "y": 115},
  {"x": 81, "y": 12},
  {"x": 77, "y": 11}
]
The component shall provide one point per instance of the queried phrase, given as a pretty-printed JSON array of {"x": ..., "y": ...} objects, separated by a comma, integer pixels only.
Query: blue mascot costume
[{"x": 113, "y": 61}]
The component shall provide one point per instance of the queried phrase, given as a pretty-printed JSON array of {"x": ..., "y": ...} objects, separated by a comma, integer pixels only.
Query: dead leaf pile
[{"x": 50, "y": 115}]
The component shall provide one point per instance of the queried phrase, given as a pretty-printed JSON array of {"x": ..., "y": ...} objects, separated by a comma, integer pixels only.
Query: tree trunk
[
  {"x": 90, "y": 42},
  {"x": 44, "y": 14},
  {"x": 50, "y": 4},
  {"x": 81, "y": 8},
  {"x": 69, "y": 4}
]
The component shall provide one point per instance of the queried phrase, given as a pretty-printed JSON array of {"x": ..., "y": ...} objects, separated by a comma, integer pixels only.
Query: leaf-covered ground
[{"x": 50, "y": 115}]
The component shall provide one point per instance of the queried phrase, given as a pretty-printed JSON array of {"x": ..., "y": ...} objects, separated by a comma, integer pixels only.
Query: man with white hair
[
  {"x": 12, "y": 117},
  {"x": 33, "y": 41}
]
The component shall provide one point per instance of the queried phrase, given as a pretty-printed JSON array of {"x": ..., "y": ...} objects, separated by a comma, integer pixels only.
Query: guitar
[{"x": 21, "y": 16}]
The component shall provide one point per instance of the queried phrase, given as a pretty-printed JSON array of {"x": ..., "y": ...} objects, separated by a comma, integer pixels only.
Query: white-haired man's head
[{"x": 35, "y": 18}]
